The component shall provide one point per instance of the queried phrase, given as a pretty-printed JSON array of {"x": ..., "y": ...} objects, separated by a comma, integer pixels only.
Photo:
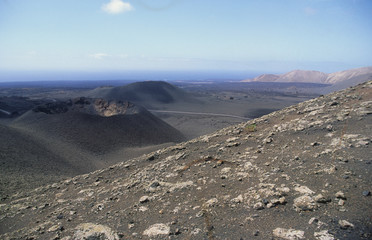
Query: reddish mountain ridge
[{"x": 354, "y": 76}]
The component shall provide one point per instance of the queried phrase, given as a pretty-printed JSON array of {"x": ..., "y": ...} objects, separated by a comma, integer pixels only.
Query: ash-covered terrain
[
  {"x": 303, "y": 172},
  {"x": 61, "y": 139}
]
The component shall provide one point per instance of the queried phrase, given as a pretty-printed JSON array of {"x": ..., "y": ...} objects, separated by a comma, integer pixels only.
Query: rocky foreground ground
[{"x": 300, "y": 173}]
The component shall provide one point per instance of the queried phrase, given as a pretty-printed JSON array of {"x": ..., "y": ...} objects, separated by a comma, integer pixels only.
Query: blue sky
[{"x": 184, "y": 35}]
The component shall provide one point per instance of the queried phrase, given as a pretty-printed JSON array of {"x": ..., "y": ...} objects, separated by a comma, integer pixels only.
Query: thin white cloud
[
  {"x": 99, "y": 55},
  {"x": 117, "y": 6}
]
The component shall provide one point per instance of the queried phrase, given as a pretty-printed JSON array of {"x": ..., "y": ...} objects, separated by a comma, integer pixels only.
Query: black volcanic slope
[
  {"x": 303, "y": 172},
  {"x": 144, "y": 93},
  {"x": 25, "y": 161},
  {"x": 97, "y": 125},
  {"x": 63, "y": 139}
]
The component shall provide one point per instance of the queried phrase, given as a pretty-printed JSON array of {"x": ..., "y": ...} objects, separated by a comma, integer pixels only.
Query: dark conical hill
[{"x": 145, "y": 93}]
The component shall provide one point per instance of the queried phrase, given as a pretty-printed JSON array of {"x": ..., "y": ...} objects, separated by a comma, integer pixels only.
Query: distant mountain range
[{"x": 353, "y": 76}]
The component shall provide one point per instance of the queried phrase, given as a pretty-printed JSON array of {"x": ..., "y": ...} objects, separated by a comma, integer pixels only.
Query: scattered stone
[
  {"x": 259, "y": 206},
  {"x": 288, "y": 234},
  {"x": 277, "y": 201},
  {"x": 151, "y": 158},
  {"x": 304, "y": 203},
  {"x": 342, "y": 209},
  {"x": 330, "y": 170},
  {"x": 270, "y": 205},
  {"x": 94, "y": 231},
  {"x": 143, "y": 209},
  {"x": 366, "y": 193},
  {"x": 200, "y": 214},
  {"x": 238, "y": 199},
  {"x": 157, "y": 229},
  {"x": 172, "y": 187},
  {"x": 196, "y": 231},
  {"x": 219, "y": 162},
  {"x": 304, "y": 190},
  {"x": 233, "y": 144},
  {"x": 144, "y": 199},
  {"x": 283, "y": 190},
  {"x": 53, "y": 228},
  {"x": 340, "y": 195},
  {"x": 225, "y": 170},
  {"x": 212, "y": 202},
  {"x": 282, "y": 200},
  {"x": 321, "y": 199},
  {"x": 324, "y": 235},
  {"x": 233, "y": 139},
  {"x": 361, "y": 143},
  {"x": 177, "y": 231},
  {"x": 268, "y": 140},
  {"x": 345, "y": 224},
  {"x": 155, "y": 184},
  {"x": 313, "y": 220}
]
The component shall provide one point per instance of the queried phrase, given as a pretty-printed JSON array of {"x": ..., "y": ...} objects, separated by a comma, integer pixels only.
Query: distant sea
[{"x": 205, "y": 75}]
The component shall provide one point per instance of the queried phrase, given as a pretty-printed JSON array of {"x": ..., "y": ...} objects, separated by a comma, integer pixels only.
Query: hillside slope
[
  {"x": 342, "y": 76},
  {"x": 303, "y": 172},
  {"x": 25, "y": 162},
  {"x": 344, "y": 79}
]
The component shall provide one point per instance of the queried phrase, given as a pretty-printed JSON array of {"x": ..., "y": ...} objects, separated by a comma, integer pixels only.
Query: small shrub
[{"x": 251, "y": 128}]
